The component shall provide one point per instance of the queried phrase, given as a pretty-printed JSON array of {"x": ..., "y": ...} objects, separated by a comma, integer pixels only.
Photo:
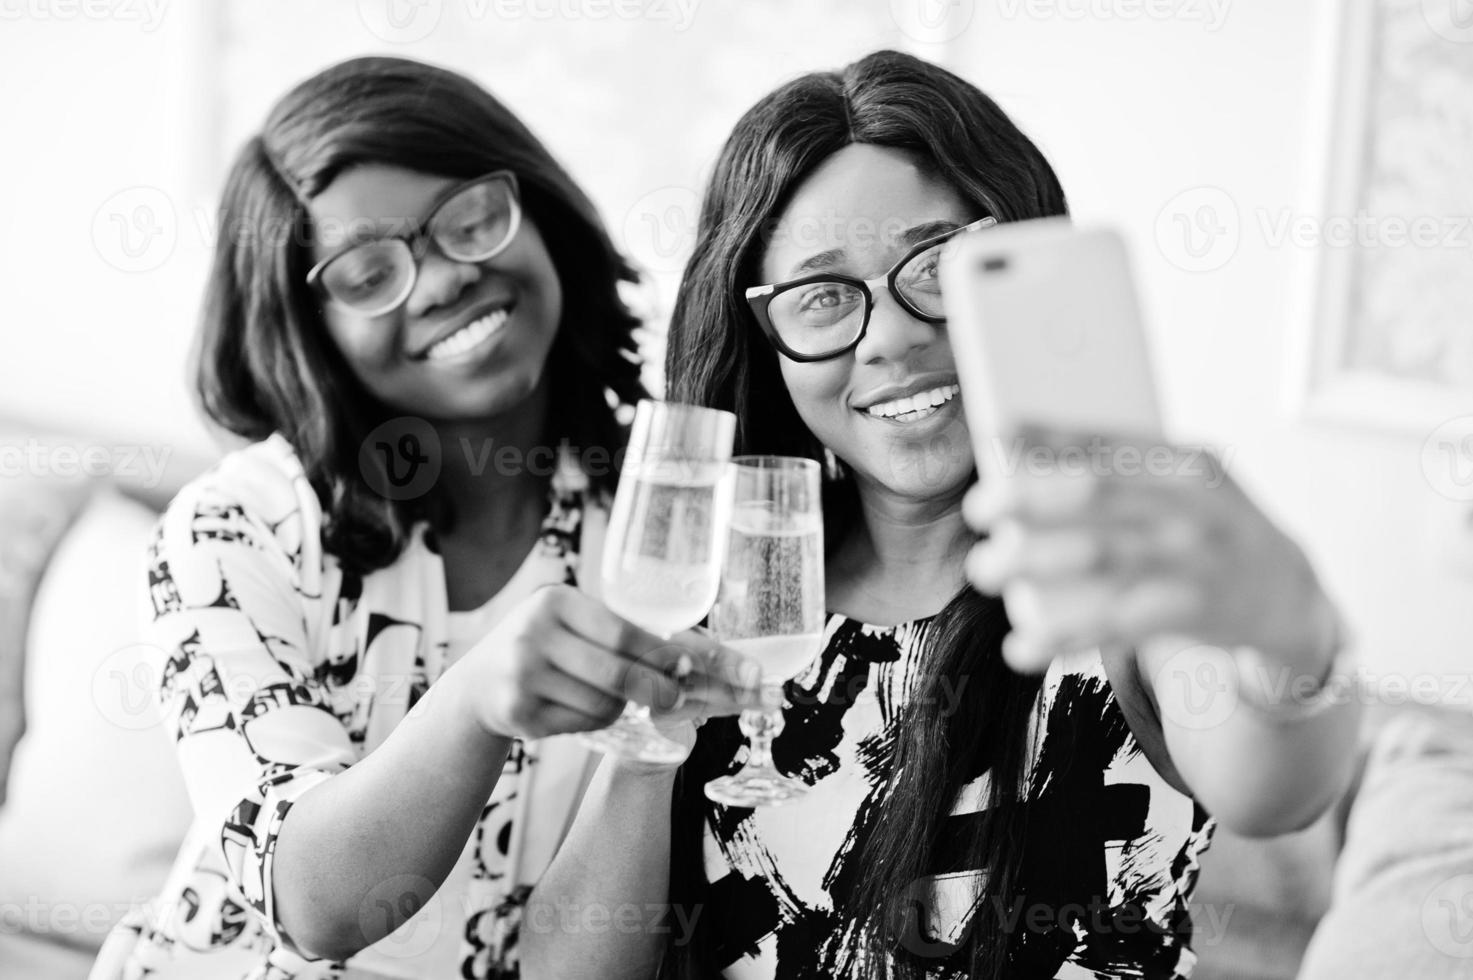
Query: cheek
[
  {"x": 364, "y": 344},
  {"x": 534, "y": 263},
  {"x": 817, "y": 391}
]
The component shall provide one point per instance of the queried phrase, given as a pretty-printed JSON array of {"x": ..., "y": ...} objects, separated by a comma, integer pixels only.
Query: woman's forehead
[{"x": 861, "y": 202}]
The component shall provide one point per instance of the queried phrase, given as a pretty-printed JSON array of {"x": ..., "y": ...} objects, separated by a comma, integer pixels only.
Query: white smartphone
[{"x": 1046, "y": 329}]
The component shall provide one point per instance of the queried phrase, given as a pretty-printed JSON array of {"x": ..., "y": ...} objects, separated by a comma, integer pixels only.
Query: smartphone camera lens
[{"x": 994, "y": 264}]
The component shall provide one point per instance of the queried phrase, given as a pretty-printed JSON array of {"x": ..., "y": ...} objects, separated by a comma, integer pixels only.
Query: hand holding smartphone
[
  {"x": 1053, "y": 364},
  {"x": 1047, "y": 333}
]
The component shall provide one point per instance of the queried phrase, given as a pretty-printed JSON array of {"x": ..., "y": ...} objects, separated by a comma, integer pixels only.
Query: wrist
[
  {"x": 1292, "y": 689},
  {"x": 451, "y": 699}
]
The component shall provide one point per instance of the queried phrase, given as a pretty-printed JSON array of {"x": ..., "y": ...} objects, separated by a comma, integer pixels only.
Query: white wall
[{"x": 1133, "y": 111}]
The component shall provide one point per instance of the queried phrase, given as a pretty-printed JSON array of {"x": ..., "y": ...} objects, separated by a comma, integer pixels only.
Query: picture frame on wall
[{"x": 1388, "y": 310}]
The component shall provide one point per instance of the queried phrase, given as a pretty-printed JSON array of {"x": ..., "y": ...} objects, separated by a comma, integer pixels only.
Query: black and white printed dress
[
  {"x": 280, "y": 669},
  {"x": 1111, "y": 851}
]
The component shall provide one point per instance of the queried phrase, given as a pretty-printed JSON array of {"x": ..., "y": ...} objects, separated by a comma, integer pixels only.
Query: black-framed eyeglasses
[
  {"x": 824, "y": 315},
  {"x": 470, "y": 222}
]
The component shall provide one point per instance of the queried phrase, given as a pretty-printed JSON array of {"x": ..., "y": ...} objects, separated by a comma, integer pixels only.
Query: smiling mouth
[
  {"x": 469, "y": 337},
  {"x": 913, "y": 408}
]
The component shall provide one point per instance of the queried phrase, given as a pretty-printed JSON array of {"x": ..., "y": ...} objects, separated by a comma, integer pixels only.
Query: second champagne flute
[
  {"x": 771, "y": 605},
  {"x": 666, "y": 536}
]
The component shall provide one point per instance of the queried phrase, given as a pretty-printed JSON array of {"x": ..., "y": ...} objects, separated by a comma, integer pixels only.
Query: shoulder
[{"x": 256, "y": 496}]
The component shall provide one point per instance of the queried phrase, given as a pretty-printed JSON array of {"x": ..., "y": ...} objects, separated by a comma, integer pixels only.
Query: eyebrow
[{"x": 910, "y": 237}]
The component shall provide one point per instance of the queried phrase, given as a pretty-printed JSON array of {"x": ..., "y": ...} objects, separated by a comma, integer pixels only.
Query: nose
[
  {"x": 893, "y": 332},
  {"x": 440, "y": 284}
]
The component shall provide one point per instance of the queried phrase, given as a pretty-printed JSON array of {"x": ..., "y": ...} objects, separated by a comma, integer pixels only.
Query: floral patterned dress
[{"x": 280, "y": 669}]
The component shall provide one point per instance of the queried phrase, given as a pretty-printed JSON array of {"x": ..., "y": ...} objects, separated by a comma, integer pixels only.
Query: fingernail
[
  {"x": 1024, "y": 657},
  {"x": 985, "y": 504},
  {"x": 982, "y": 570}
]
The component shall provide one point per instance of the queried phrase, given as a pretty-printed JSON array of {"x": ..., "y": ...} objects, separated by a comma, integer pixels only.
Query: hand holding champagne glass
[
  {"x": 770, "y": 606},
  {"x": 667, "y": 532}
]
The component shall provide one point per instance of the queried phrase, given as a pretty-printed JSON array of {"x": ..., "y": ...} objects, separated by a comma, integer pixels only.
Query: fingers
[
  {"x": 620, "y": 659},
  {"x": 1123, "y": 552},
  {"x": 587, "y": 617},
  {"x": 608, "y": 671},
  {"x": 1052, "y": 622},
  {"x": 1062, "y": 477},
  {"x": 542, "y": 719},
  {"x": 1049, "y": 623},
  {"x": 721, "y": 681},
  {"x": 570, "y": 691}
]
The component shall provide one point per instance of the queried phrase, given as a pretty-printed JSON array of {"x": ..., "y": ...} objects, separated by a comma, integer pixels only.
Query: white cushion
[{"x": 97, "y": 807}]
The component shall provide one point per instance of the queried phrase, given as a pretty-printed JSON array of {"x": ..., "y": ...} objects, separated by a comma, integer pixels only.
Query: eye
[
  {"x": 364, "y": 272},
  {"x": 825, "y": 296},
  {"x": 922, "y": 271},
  {"x": 365, "y": 278}
]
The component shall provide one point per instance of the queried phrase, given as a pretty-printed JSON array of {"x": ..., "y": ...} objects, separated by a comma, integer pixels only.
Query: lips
[
  {"x": 916, "y": 397},
  {"x": 912, "y": 408},
  {"x": 468, "y": 337},
  {"x": 468, "y": 332}
]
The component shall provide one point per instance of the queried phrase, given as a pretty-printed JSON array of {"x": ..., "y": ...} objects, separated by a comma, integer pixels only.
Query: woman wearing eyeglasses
[
  {"x": 985, "y": 799},
  {"x": 413, "y": 319}
]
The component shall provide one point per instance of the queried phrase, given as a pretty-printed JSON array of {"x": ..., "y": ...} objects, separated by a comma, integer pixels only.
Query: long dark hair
[
  {"x": 716, "y": 356},
  {"x": 264, "y": 362}
]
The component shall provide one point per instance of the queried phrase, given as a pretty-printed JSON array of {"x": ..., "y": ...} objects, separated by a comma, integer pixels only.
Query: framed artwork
[{"x": 1390, "y": 339}]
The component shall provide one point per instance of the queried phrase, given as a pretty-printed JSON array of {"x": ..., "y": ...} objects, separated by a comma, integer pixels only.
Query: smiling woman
[
  {"x": 478, "y": 317},
  {"x": 961, "y": 819},
  {"x": 312, "y": 594}
]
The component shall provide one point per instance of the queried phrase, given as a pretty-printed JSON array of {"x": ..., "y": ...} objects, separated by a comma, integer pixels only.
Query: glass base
[
  {"x": 755, "y": 787},
  {"x": 634, "y": 737}
]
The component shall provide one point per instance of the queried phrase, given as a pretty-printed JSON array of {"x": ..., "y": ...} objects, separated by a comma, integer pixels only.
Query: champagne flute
[
  {"x": 770, "y": 606},
  {"x": 667, "y": 531}
]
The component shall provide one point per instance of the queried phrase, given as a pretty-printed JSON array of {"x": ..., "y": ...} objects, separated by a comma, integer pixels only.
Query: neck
[
  {"x": 905, "y": 553},
  {"x": 494, "y": 469}
]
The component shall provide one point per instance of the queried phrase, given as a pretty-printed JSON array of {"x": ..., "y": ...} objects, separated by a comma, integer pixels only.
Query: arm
[
  {"x": 1223, "y": 612},
  {"x": 614, "y": 867},
  {"x": 616, "y": 859},
  {"x": 359, "y": 853},
  {"x": 332, "y": 858},
  {"x": 305, "y": 838},
  {"x": 1235, "y": 734}
]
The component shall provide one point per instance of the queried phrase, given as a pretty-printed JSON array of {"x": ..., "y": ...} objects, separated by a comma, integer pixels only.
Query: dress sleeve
[{"x": 228, "y": 615}]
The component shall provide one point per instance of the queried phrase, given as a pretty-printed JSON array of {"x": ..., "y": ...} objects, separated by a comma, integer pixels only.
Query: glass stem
[{"x": 761, "y": 727}]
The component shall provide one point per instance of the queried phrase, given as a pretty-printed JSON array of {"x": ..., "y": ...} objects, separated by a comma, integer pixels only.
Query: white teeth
[
  {"x": 469, "y": 336},
  {"x": 920, "y": 404}
]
